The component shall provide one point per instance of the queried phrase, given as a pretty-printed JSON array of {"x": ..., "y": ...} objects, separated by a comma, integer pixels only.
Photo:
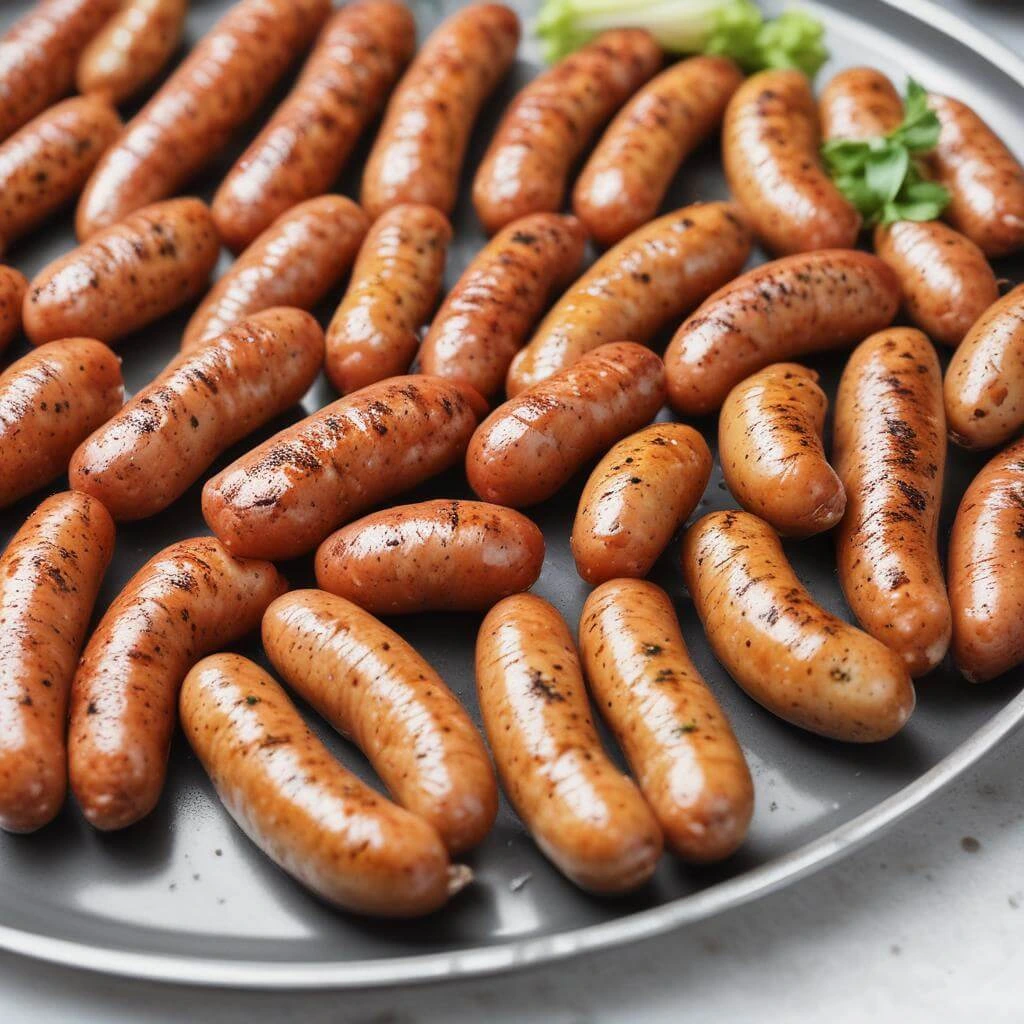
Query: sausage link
[
  {"x": 585, "y": 815},
  {"x": 162, "y": 441},
  {"x": 49, "y": 577},
  {"x": 13, "y": 287},
  {"x": 432, "y": 556},
  {"x": 676, "y": 738},
  {"x": 639, "y": 494},
  {"x": 374, "y": 688},
  {"x": 860, "y": 104},
  {"x": 790, "y": 655}
]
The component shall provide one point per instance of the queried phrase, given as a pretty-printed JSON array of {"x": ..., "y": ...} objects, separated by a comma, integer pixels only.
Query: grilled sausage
[
  {"x": 628, "y": 174},
  {"x": 374, "y": 688},
  {"x": 187, "y": 600},
  {"x": 859, "y": 104},
  {"x": 639, "y": 494},
  {"x": 552, "y": 121},
  {"x": 374, "y": 333},
  {"x": 49, "y": 577},
  {"x": 13, "y": 287},
  {"x": 287, "y": 495},
  {"x": 205, "y": 401},
  {"x": 50, "y": 401},
  {"x": 432, "y": 556},
  {"x": 676, "y": 738},
  {"x": 781, "y": 310},
  {"x": 126, "y": 276},
  {"x": 585, "y": 815},
  {"x": 420, "y": 148},
  {"x": 647, "y": 282},
  {"x": 790, "y": 655},
  {"x": 531, "y": 446}
]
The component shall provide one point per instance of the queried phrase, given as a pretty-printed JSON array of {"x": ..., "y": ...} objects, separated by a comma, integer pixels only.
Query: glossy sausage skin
[
  {"x": 125, "y": 277},
  {"x": 196, "y": 111},
  {"x": 13, "y": 287},
  {"x": 295, "y": 262},
  {"x": 284, "y": 497},
  {"x": 649, "y": 281},
  {"x": 890, "y": 453},
  {"x": 307, "y": 813},
  {"x": 50, "y": 401},
  {"x": 627, "y": 176},
  {"x": 187, "y": 600},
  {"x": 790, "y": 655},
  {"x": 306, "y": 144},
  {"x": 773, "y": 460},
  {"x": 49, "y": 577},
  {"x": 374, "y": 688},
  {"x": 675, "y": 736},
  {"x": 374, "y": 333},
  {"x": 420, "y": 147},
  {"x": 531, "y": 446},
  {"x": 552, "y": 121},
  {"x": 791, "y": 307},
  {"x": 585, "y": 815},
  {"x": 770, "y": 150},
  {"x": 432, "y": 556},
  {"x": 639, "y": 494},
  {"x": 169, "y": 433},
  {"x": 859, "y": 103}
]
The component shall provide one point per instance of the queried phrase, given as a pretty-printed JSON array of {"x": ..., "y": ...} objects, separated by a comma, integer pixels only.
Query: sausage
[
  {"x": 50, "y": 401},
  {"x": 285, "y": 496},
  {"x": 984, "y": 387},
  {"x": 585, "y": 815},
  {"x": 790, "y": 655},
  {"x": 132, "y": 48},
  {"x": 187, "y": 600},
  {"x": 890, "y": 453},
  {"x": 859, "y": 103},
  {"x": 811, "y": 302},
  {"x": 49, "y": 577},
  {"x": 773, "y": 460},
  {"x": 985, "y": 180},
  {"x": 770, "y": 145},
  {"x": 552, "y": 121},
  {"x": 501, "y": 295},
  {"x": 374, "y": 688},
  {"x": 46, "y": 163},
  {"x": 648, "y": 282},
  {"x": 432, "y": 556},
  {"x": 303, "y": 148},
  {"x": 421, "y": 146},
  {"x": 295, "y": 262},
  {"x": 639, "y": 494},
  {"x": 676, "y": 738},
  {"x": 195, "y": 112},
  {"x": 162, "y": 441},
  {"x": 531, "y": 446},
  {"x": 127, "y": 276},
  {"x": 628, "y": 175},
  {"x": 374, "y": 333},
  {"x": 13, "y": 287}
]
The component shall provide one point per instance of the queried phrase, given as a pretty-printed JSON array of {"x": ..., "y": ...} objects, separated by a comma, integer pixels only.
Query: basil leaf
[
  {"x": 885, "y": 171},
  {"x": 845, "y": 156}
]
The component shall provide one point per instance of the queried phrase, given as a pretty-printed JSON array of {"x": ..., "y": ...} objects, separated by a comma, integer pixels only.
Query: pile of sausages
[{"x": 530, "y": 371}]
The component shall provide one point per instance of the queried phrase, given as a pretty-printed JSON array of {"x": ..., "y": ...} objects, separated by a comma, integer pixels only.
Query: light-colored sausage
[
  {"x": 375, "y": 331},
  {"x": 639, "y": 494},
  {"x": 675, "y": 736},
  {"x": 169, "y": 433},
  {"x": 585, "y": 815},
  {"x": 49, "y": 577},
  {"x": 306, "y": 812},
  {"x": 781, "y": 310},
  {"x": 374, "y": 688},
  {"x": 13, "y": 287},
  {"x": 649, "y": 281},
  {"x": 432, "y": 556},
  {"x": 860, "y": 104},
  {"x": 552, "y": 121},
  {"x": 773, "y": 460},
  {"x": 187, "y": 600}
]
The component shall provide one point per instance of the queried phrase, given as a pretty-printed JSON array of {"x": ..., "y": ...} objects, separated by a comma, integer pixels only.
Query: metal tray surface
[{"x": 185, "y": 897}]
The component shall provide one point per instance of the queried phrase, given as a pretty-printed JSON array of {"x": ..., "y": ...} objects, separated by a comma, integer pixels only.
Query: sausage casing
[
  {"x": 13, "y": 287},
  {"x": 859, "y": 103}
]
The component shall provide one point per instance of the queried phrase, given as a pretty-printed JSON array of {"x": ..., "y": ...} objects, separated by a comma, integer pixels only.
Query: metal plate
[{"x": 184, "y": 896}]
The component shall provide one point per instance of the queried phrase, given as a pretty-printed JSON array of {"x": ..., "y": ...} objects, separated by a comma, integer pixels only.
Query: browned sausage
[
  {"x": 13, "y": 287},
  {"x": 861, "y": 104}
]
